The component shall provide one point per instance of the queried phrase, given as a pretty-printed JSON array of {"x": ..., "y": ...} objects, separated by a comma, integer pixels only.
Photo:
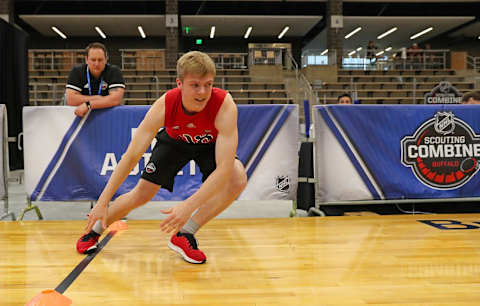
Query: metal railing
[
  {"x": 266, "y": 56},
  {"x": 352, "y": 91},
  {"x": 314, "y": 57},
  {"x": 55, "y": 95},
  {"x": 55, "y": 59},
  {"x": 157, "y": 85},
  {"x": 142, "y": 59},
  {"x": 400, "y": 59},
  {"x": 154, "y": 59},
  {"x": 293, "y": 65},
  {"x": 304, "y": 84},
  {"x": 473, "y": 62},
  {"x": 230, "y": 60}
]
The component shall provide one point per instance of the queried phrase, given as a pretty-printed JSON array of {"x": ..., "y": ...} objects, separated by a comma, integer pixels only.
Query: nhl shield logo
[
  {"x": 444, "y": 123},
  {"x": 282, "y": 183}
]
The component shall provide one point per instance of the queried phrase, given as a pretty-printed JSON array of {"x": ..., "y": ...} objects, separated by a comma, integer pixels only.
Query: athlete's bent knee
[{"x": 238, "y": 182}]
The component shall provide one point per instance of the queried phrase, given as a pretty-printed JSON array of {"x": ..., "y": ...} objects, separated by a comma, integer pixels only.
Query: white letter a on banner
[{"x": 109, "y": 163}]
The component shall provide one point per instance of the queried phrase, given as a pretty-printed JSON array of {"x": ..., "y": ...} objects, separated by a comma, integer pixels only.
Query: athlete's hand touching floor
[{"x": 178, "y": 216}]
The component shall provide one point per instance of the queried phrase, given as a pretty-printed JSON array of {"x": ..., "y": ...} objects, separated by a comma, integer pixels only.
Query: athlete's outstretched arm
[
  {"x": 225, "y": 150},
  {"x": 146, "y": 131}
]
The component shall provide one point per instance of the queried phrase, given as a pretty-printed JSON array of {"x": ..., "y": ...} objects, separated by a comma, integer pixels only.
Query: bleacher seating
[
  {"x": 388, "y": 86},
  {"x": 145, "y": 77},
  {"x": 144, "y": 87}
]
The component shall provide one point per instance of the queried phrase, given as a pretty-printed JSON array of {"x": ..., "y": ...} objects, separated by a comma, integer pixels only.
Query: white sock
[
  {"x": 190, "y": 227},
  {"x": 98, "y": 228}
]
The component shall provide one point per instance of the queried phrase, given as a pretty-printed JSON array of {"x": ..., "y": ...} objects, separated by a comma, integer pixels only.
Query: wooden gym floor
[{"x": 350, "y": 260}]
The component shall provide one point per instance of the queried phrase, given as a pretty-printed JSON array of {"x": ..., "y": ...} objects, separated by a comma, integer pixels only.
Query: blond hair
[{"x": 195, "y": 62}]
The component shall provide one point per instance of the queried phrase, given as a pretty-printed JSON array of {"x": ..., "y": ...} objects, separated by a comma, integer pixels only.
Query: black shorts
[{"x": 169, "y": 156}]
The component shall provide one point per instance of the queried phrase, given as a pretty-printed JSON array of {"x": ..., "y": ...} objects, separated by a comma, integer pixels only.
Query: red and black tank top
[{"x": 197, "y": 128}]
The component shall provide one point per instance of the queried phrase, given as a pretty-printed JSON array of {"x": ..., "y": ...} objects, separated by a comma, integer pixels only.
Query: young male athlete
[{"x": 200, "y": 124}]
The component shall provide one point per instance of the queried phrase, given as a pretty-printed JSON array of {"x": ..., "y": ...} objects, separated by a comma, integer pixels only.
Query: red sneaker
[
  {"x": 186, "y": 245},
  {"x": 87, "y": 244}
]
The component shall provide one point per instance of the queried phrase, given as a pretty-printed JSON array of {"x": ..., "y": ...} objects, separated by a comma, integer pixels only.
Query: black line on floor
[{"x": 83, "y": 264}]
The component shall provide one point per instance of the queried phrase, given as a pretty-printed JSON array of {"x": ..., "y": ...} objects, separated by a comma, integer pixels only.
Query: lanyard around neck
[{"x": 90, "y": 87}]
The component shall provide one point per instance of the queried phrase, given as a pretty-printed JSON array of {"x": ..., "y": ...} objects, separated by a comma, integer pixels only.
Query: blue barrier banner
[
  {"x": 383, "y": 152},
  {"x": 68, "y": 158}
]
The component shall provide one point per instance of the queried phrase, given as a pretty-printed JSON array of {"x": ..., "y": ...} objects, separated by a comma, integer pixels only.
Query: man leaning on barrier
[{"x": 94, "y": 84}]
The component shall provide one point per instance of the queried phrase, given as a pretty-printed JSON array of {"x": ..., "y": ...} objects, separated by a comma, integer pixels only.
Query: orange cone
[{"x": 50, "y": 297}]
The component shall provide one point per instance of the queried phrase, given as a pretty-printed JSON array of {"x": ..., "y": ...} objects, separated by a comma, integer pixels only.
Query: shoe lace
[{"x": 191, "y": 240}]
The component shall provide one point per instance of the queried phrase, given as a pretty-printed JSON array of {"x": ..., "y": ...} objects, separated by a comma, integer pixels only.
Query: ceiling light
[
  {"x": 379, "y": 53},
  {"x": 352, "y": 53},
  {"x": 388, "y": 49},
  {"x": 387, "y": 33},
  {"x": 249, "y": 30},
  {"x": 324, "y": 52},
  {"x": 285, "y": 29},
  {"x": 359, "y": 49},
  {"x": 140, "y": 29},
  {"x": 100, "y": 32},
  {"x": 212, "y": 32},
  {"x": 421, "y": 33},
  {"x": 353, "y": 32},
  {"x": 59, "y": 32}
]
